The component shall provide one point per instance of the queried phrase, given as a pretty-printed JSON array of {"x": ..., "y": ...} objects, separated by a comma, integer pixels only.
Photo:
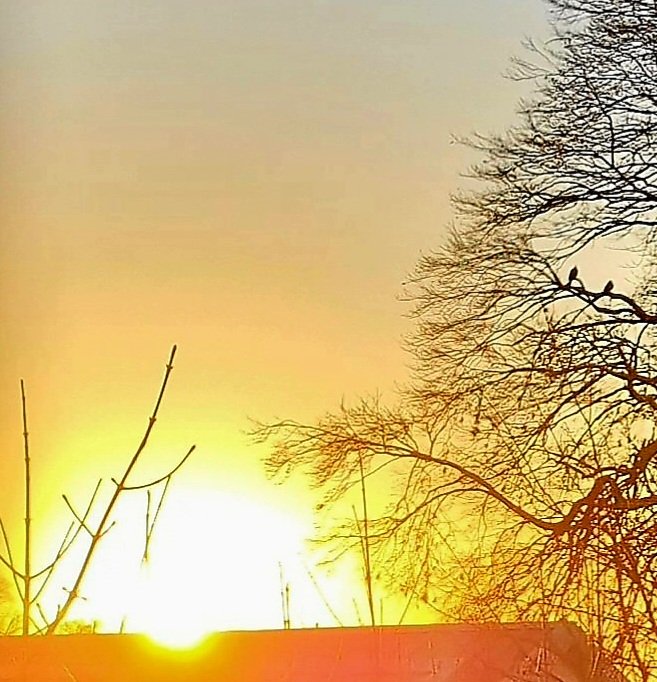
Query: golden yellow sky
[{"x": 250, "y": 180}]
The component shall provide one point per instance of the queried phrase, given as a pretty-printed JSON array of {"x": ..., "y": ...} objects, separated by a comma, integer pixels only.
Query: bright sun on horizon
[
  {"x": 214, "y": 566},
  {"x": 217, "y": 562}
]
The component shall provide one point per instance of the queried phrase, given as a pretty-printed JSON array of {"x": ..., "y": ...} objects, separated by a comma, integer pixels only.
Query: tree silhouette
[
  {"x": 527, "y": 429},
  {"x": 31, "y": 584}
]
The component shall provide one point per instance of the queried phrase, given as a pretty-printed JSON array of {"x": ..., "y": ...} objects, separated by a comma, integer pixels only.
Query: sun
[
  {"x": 168, "y": 617},
  {"x": 214, "y": 566},
  {"x": 172, "y": 636},
  {"x": 218, "y": 561}
]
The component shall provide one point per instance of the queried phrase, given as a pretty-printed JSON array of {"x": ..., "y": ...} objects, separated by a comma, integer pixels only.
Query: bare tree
[
  {"x": 524, "y": 445},
  {"x": 29, "y": 584}
]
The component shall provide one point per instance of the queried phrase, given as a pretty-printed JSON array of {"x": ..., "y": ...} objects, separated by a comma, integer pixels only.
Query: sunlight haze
[{"x": 252, "y": 181}]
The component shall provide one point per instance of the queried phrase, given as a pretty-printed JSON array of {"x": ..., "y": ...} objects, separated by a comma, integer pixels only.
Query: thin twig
[
  {"x": 27, "y": 571},
  {"x": 9, "y": 561},
  {"x": 166, "y": 477},
  {"x": 120, "y": 487},
  {"x": 80, "y": 521},
  {"x": 150, "y": 528}
]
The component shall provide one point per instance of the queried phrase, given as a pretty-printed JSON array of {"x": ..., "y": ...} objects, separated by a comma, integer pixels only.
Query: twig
[
  {"x": 166, "y": 477},
  {"x": 150, "y": 528},
  {"x": 80, "y": 521},
  {"x": 322, "y": 596},
  {"x": 66, "y": 543},
  {"x": 27, "y": 571},
  {"x": 120, "y": 487},
  {"x": 9, "y": 561}
]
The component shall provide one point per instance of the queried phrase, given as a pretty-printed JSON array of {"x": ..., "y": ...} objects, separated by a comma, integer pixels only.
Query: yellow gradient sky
[{"x": 250, "y": 180}]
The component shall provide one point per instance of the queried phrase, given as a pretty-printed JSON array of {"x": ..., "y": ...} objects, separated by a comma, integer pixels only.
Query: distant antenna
[{"x": 285, "y": 598}]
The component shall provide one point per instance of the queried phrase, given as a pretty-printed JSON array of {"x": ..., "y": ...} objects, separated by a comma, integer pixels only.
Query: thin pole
[
  {"x": 27, "y": 595},
  {"x": 366, "y": 544},
  {"x": 285, "y": 598},
  {"x": 287, "y": 605}
]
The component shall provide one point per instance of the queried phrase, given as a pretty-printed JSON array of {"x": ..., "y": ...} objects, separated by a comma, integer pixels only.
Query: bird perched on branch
[
  {"x": 608, "y": 287},
  {"x": 572, "y": 275}
]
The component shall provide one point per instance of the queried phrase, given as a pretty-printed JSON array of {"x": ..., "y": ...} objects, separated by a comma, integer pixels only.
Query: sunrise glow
[
  {"x": 214, "y": 565},
  {"x": 328, "y": 340},
  {"x": 251, "y": 182},
  {"x": 170, "y": 636}
]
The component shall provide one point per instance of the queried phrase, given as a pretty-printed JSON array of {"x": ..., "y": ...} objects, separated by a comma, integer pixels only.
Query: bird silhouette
[
  {"x": 608, "y": 287},
  {"x": 572, "y": 275}
]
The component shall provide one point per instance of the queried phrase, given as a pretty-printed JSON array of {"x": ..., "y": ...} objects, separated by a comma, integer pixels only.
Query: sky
[{"x": 251, "y": 180}]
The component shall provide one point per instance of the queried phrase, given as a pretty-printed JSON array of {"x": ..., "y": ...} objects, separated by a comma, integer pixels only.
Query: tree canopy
[{"x": 524, "y": 445}]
